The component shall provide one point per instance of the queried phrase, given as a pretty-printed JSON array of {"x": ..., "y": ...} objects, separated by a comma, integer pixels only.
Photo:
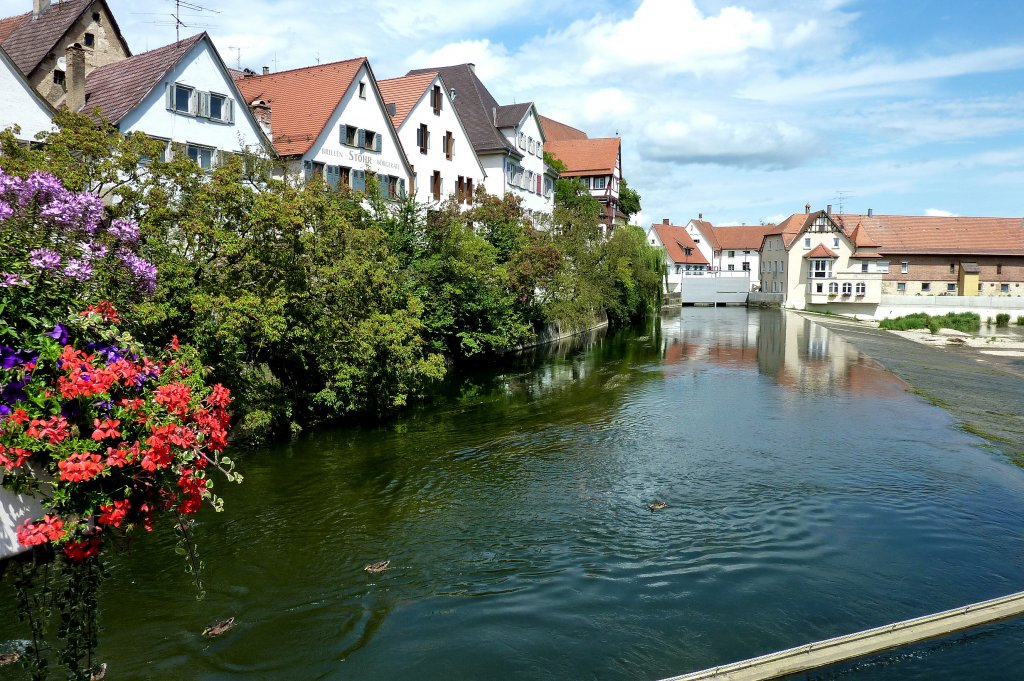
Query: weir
[{"x": 852, "y": 646}]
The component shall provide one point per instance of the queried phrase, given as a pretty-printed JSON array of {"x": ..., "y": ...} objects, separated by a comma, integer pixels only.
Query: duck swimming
[
  {"x": 219, "y": 628},
  {"x": 378, "y": 567},
  {"x": 657, "y": 505}
]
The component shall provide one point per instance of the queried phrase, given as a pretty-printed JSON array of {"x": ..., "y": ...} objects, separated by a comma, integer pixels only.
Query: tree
[{"x": 629, "y": 199}]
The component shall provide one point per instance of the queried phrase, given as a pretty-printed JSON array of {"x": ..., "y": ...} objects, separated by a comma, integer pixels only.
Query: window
[
  {"x": 746, "y": 267},
  {"x": 522, "y": 140},
  {"x": 746, "y": 252},
  {"x": 904, "y": 267},
  {"x": 696, "y": 241},
  {"x": 600, "y": 182},
  {"x": 862, "y": 288},
  {"x": 362, "y": 90},
  {"x": 349, "y": 135},
  {"x": 90, "y": 40},
  {"x": 835, "y": 242},
  {"x": 732, "y": 267},
  {"x": 950, "y": 287},
  {"x": 203, "y": 156},
  {"x": 901, "y": 286},
  {"x": 807, "y": 242},
  {"x": 819, "y": 288},
  {"x": 529, "y": 145},
  {"x": 435, "y": 185},
  {"x": 469, "y": 191},
  {"x": 96, "y": 17},
  {"x": 926, "y": 286},
  {"x": 585, "y": 181},
  {"x": 732, "y": 254},
  {"x": 782, "y": 265},
  {"x": 847, "y": 288},
  {"x": 58, "y": 77},
  {"x": 344, "y": 176},
  {"x": 449, "y": 144},
  {"x": 952, "y": 268},
  {"x": 883, "y": 266},
  {"x": 999, "y": 269},
  {"x": 833, "y": 288},
  {"x": 181, "y": 98},
  {"x": 217, "y": 107},
  {"x": 371, "y": 140},
  {"x": 863, "y": 267},
  {"x": 820, "y": 269},
  {"x": 436, "y": 99},
  {"x": 1004, "y": 288},
  {"x": 423, "y": 138}
]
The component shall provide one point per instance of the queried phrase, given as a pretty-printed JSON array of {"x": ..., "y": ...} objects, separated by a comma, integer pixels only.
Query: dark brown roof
[
  {"x": 927, "y": 235},
  {"x": 116, "y": 89},
  {"x": 510, "y": 115},
  {"x": 28, "y": 41},
  {"x": 553, "y": 130},
  {"x": 476, "y": 107},
  {"x": 404, "y": 93},
  {"x": 586, "y": 157}
]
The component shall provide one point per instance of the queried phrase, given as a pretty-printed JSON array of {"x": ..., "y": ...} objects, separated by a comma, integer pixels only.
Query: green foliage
[
  {"x": 1003, "y": 319},
  {"x": 629, "y": 199},
  {"x": 1020, "y": 320},
  {"x": 967, "y": 322}
]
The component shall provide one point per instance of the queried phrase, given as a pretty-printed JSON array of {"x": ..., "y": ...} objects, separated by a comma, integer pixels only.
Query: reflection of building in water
[
  {"x": 805, "y": 356},
  {"x": 791, "y": 349}
]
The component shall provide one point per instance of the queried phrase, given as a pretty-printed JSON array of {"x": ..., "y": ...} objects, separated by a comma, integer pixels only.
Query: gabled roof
[
  {"x": 118, "y": 88},
  {"x": 510, "y": 115},
  {"x": 404, "y": 92},
  {"x": 927, "y": 235},
  {"x": 739, "y": 237},
  {"x": 861, "y": 238},
  {"x": 820, "y": 251},
  {"x": 302, "y": 100},
  {"x": 29, "y": 40},
  {"x": 553, "y": 130},
  {"x": 587, "y": 156},
  {"x": 791, "y": 228},
  {"x": 676, "y": 240},
  {"x": 476, "y": 107}
]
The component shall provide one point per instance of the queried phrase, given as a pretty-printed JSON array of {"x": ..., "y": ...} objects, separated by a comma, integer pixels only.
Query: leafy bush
[
  {"x": 1020, "y": 320},
  {"x": 1003, "y": 319},
  {"x": 968, "y": 322}
]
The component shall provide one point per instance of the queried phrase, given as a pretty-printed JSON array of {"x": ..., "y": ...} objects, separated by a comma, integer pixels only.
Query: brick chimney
[
  {"x": 665, "y": 222},
  {"x": 75, "y": 78},
  {"x": 261, "y": 112},
  {"x": 38, "y": 7}
]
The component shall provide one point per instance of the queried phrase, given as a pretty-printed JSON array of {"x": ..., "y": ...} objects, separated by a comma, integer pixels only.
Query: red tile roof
[
  {"x": 553, "y": 130},
  {"x": 790, "y": 228},
  {"x": 739, "y": 237},
  {"x": 404, "y": 93},
  {"x": 301, "y": 100},
  {"x": 708, "y": 230},
  {"x": 861, "y": 238},
  {"x": 27, "y": 41},
  {"x": 116, "y": 89},
  {"x": 588, "y": 156},
  {"x": 926, "y": 235},
  {"x": 820, "y": 251},
  {"x": 676, "y": 240}
]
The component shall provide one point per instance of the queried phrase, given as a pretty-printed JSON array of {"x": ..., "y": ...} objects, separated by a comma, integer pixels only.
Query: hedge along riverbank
[{"x": 314, "y": 305}]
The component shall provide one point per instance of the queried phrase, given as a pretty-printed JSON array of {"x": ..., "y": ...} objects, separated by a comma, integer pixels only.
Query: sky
[{"x": 741, "y": 111}]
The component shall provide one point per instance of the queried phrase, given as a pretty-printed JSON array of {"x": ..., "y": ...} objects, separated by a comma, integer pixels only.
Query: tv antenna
[
  {"x": 840, "y": 198},
  {"x": 238, "y": 56},
  {"x": 191, "y": 6}
]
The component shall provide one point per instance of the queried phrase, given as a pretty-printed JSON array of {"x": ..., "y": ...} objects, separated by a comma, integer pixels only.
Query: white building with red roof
[
  {"x": 330, "y": 120},
  {"x": 730, "y": 248},
  {"x": 682, "y": 257},
  {"x": 436, "y": 143},
  {"x": 596, "y": 162}
]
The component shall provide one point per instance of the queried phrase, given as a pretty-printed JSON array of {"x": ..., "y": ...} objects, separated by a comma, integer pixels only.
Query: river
[{"x": 809, "y": 494}]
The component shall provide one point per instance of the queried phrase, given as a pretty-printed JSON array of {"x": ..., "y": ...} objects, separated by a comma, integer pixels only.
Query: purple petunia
[
  {"x": 125, "y": 229},
  {"x": 44, "y": 258},
  {"x": 78, "y": 269},
  {"x": 59, "y": 334},
  {"x": 9, "y": 279}
]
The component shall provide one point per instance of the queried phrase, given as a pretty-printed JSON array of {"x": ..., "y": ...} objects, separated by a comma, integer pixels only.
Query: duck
[
  {"x": 9, "y": 658},
  {"x": 378, "y": 567},
  {"x": 657, "y": 505},
  {"x": 219, "y": 628},
  {"x": 98, "y": 673}
]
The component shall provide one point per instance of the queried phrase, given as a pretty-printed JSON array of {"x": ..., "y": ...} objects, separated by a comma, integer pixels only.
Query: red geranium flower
[
  {"x": 47, "y": 529},
  {"x": 105, "y": 429},
  {"x": 80, "y": 467}
]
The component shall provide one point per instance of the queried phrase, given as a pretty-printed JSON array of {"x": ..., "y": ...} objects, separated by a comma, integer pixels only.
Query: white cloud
[{"x": 936, "y": 213}]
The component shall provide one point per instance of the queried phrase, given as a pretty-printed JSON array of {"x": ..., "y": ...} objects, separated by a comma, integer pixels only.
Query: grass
[
  {"x": 1020, "y": 320},
  {"x": 968, "y": 322}
]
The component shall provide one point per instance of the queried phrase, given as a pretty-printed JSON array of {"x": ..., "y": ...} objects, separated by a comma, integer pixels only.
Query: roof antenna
[
  {"x": 189, "y": 5},
  {"x": 238, "y": 56},
  {"x": 841, "y": 196}
]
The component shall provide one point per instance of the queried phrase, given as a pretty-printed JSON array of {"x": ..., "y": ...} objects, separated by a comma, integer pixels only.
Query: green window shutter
[
  {"x": 401, "y": 188},
  {"x": 377, "y": 142},
  {"x": 361, "y": 138},
  {"x": 333, "y": 172},
  {"x": 382, "y": 185},
  {"x": 359, "y": 181}
]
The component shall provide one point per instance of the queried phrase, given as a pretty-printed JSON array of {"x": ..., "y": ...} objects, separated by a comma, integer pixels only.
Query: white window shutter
[
  {"x": 170, "y": 96},
  {"x": 204, "y": 104},
  {"x": 228, "y": 112}
]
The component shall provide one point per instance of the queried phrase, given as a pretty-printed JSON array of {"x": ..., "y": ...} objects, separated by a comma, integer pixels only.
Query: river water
[{"x": 808, "y": 493}]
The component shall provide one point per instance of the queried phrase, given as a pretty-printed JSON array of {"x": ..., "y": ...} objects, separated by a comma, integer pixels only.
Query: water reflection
[{"x": 791, "y": 349}]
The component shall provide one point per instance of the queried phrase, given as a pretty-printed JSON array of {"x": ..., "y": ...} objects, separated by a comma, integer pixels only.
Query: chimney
[
  {"x": 266, "y": 70},
  {"x": 75, "y": 77},
  {"x": 700, "y": 216},
  {"x": 871, "y": 211},
  {"x": 261, "y": 112},
  {"x": 472, "y": 68},
  {"x": 665, "y": 222},
  {"x": 828, "y": 209},
  {"x": 807, "y": 208},
  {"x": 38, "y": 7}
]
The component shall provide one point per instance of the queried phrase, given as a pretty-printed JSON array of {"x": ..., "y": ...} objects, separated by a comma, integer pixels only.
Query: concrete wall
[
  {"x": 14, "y": 509},
  {"x": 710, "y": 289},
  {"x": 985, "y": 306}
]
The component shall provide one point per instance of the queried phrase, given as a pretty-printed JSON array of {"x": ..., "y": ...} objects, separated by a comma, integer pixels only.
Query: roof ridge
[{"x": 306, "y": 68}]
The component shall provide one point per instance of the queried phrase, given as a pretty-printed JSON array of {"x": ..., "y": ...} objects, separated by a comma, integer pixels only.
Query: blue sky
[{"x": 742, "y": 111}]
